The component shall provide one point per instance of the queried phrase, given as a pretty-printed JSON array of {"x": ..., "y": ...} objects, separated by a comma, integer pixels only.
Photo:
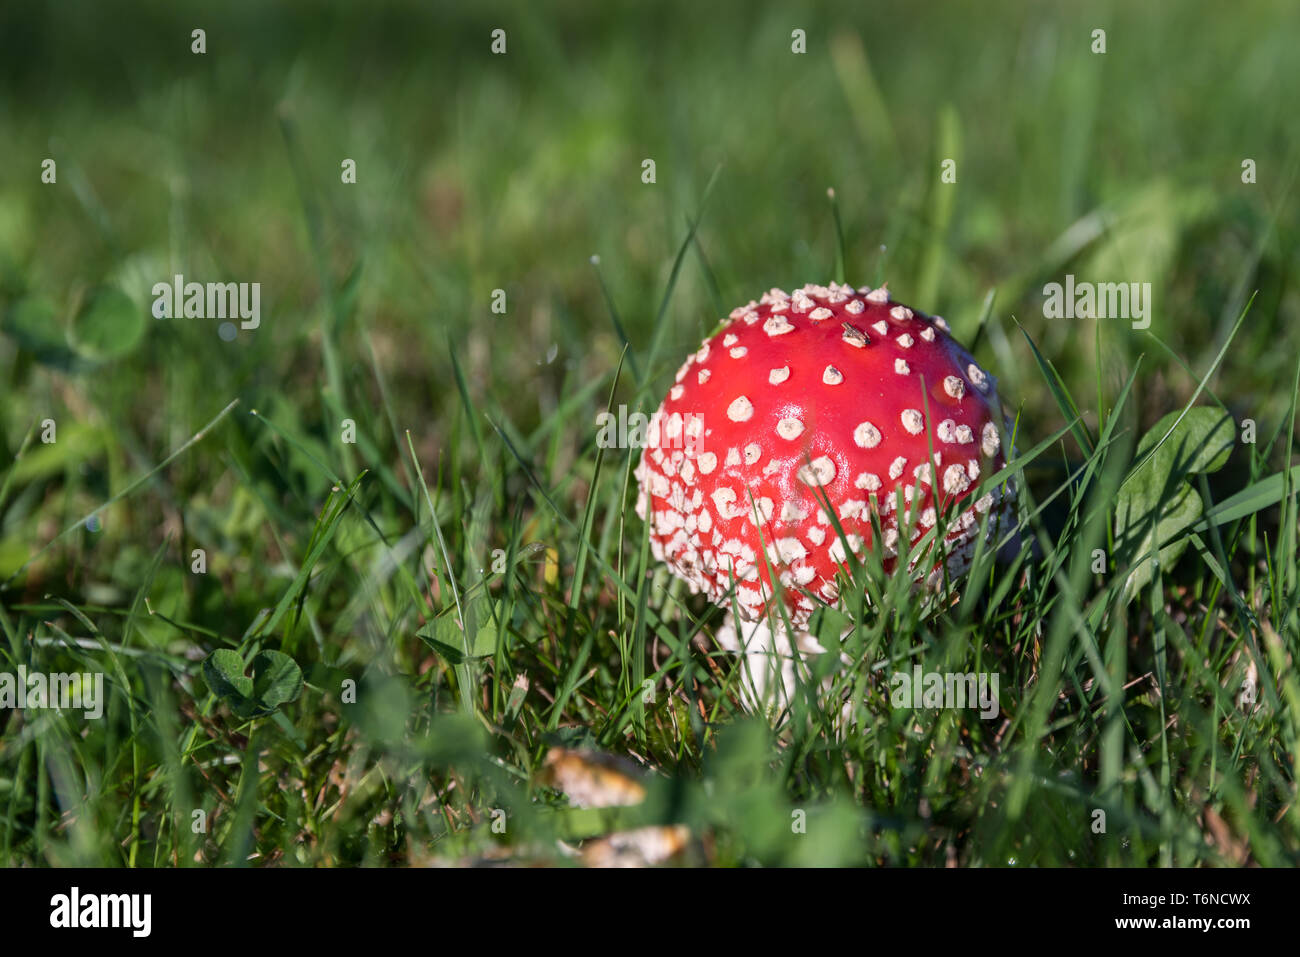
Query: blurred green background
[{"x": 478, "y": 172}]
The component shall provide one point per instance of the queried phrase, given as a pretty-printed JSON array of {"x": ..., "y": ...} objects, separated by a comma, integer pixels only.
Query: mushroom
[{"x": 828, "y": 396}]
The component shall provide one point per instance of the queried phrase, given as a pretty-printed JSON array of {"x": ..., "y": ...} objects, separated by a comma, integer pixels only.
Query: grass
[{"x": 466, "y": 586}]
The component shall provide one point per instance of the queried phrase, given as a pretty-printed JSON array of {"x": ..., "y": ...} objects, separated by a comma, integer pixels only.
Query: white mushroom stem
[{"x": 768, "y": 670}]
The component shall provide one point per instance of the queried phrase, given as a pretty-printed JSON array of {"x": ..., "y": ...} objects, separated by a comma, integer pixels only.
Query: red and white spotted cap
[{"x": 801, "y": 398}]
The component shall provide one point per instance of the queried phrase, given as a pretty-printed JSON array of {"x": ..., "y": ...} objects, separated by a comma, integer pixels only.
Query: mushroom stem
[{"x": 770, "y": 662}]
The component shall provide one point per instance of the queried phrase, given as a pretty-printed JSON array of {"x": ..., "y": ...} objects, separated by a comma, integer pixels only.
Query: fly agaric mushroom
[{"x": 827, "y": 396}]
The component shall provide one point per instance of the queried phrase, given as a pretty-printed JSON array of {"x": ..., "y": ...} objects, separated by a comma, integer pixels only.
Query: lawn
[{"x": 363, "y": 584}]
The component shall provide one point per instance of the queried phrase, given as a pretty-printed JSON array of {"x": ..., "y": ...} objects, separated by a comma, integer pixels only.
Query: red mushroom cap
[{"x": 805, "y": 398}]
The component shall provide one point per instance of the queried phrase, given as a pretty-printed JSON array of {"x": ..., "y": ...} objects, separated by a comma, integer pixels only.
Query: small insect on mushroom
[{"x": 841, "y": 399}]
